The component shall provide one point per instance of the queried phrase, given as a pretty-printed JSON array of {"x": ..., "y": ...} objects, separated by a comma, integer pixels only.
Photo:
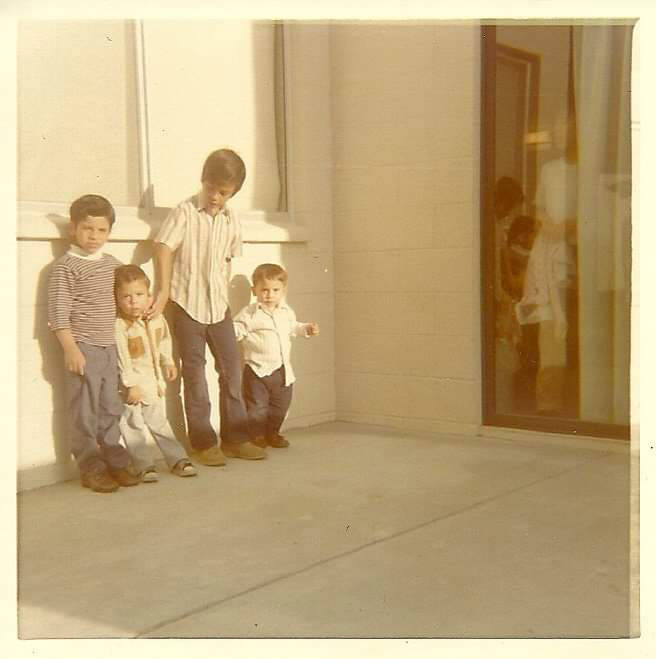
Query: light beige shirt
[
  {"x": 203, "y": 247},
  {"x": 143, "y": 347},
  {"x": 265, "y": 338}
]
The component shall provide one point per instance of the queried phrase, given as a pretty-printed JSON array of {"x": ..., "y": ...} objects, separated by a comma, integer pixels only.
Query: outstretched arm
[
  {"x": 166, "y": 354},
  {"x": 241, "y": 325},
  {"x": 163, "y": 267},
  {"x": 305, "y": 329},
  {"x": 311, "y": 329}
]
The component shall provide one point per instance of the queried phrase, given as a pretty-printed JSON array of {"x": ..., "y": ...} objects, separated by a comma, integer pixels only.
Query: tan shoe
[
  {"x": 98, "y": 481},
  {"x": 244, "y": 450},
  {"x": 125, "y": 477},
  {"x": 277, "y": 441},
  {"x": 211, "y": 457},
  {"x": 260, "y": 441}
]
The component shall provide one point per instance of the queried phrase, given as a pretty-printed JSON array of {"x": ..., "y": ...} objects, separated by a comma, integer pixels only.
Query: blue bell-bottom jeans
[{"x": 192, "y": 338}]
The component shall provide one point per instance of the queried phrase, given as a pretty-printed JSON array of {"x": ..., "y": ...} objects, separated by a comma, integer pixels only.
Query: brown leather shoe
[
  {"x": 211, "y": 457},
  {"x": 244, "y": 450},
  {"x": 98, "y": 481},
  {"x": 277, "y": 441},
  {"x": 124, "y": 477},
  {"x": 260, "y": 441}
]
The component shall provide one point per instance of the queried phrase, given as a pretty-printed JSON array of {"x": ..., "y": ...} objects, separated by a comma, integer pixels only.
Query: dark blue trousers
[
  {"x": 192, "y": 338},
  {"x": 267, "y": 401},
  {"x": 94, "y": 408}
]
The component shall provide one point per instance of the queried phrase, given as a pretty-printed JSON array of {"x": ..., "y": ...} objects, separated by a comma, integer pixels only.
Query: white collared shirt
[
  {"x": 203, "y": 247},
  {"x": 265, "y": 338}
]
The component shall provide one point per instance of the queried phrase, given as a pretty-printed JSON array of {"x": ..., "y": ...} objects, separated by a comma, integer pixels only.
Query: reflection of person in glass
[
  {"x": 551, "y": 269},
  {"x": 508, "y": 199},
  {"x": 514, "y": 262}
]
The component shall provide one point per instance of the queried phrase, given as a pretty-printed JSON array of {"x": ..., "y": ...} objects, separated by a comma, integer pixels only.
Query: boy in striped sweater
[{"x": 82, "y": 313}]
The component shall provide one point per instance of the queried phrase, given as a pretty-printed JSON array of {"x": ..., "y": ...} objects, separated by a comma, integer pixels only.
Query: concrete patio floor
[{"x": 354, "y": 531}]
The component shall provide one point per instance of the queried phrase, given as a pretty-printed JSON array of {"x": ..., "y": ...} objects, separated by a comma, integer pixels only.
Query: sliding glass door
[{"x": 556, "y": 220}]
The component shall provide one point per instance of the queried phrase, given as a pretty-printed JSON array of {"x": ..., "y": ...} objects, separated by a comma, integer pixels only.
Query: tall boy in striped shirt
[
  {"x": 82, "y": 313},
  {"x": 193, "y": 250}
]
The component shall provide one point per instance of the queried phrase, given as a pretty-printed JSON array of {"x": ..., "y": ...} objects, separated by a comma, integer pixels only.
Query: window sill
[{"x": 48, "y": 221}]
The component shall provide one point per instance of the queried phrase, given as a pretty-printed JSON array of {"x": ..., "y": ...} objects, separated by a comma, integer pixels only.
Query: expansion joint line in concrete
[{"x": 216, "y": 603}]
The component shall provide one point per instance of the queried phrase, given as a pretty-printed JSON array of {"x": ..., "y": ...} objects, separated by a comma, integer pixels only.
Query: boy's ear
[
  {"x": 253, "y": 290},
  {"x": 70, "y": 229}
]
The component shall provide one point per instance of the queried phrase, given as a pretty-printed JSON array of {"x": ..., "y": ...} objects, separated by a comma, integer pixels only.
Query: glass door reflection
[{"x": 556, "y": 181}]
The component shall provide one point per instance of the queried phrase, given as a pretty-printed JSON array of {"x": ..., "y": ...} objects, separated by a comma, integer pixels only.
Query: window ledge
[{"x": 48, "y": 221}]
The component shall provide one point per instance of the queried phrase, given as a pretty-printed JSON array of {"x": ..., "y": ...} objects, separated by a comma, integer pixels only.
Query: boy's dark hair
[
  {"x": 507, "y": 194},
  {"x": 224, "y": 166},
  {"x": 269, "y": 271},
  {"x": 94, "y": 205},
  {"x": 125, "y": 274}
]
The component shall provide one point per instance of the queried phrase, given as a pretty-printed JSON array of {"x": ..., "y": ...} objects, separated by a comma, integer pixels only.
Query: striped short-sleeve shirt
[
  {"x": 203, "y": 247},
  {"x": 81, "y": 297}
]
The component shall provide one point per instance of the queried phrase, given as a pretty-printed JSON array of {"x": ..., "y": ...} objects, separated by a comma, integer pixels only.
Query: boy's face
[
  {"x": 91, "y": 233},
  {"x": 269, "y": 292},
  {"x": 216, "y": 195},
  {"x": 525, "y": 239},
  {"x": 133, "y": 299}
]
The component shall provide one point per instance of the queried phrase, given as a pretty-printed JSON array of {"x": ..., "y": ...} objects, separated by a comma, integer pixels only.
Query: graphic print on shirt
[{"x": 136, "y": 347}]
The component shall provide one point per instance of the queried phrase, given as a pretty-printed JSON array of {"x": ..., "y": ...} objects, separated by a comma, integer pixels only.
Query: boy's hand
[
  {"x": 312, "y": 329},
  {"x": 74, "y": 360},
  {"x": 134, "y": 396},
  {"x": 170, "y": 372},
  {"x": 157, "y": 305}
]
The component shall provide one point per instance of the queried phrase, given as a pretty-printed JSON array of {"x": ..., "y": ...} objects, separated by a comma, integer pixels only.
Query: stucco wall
[{"x": 77, "y": 122}]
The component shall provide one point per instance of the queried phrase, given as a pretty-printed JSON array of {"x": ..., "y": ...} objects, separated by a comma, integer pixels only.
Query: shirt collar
[
  {"x": 198, "y": 201},
  {"x": 281, "y": 306},
  {"x": 128, "y": 322},
  {"x": 75, "y": 250}
]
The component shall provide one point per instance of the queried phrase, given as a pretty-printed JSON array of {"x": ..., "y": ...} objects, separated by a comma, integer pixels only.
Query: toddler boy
[
  {"x": 145, "y": 362},
  {"x": 81, "y": 313},
  {"x": 193, "y": 252},
  {"x": 264, "y": 329}
]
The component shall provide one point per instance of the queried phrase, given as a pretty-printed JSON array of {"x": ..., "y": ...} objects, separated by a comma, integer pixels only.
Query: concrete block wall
[{"x": 405, "y": 103}]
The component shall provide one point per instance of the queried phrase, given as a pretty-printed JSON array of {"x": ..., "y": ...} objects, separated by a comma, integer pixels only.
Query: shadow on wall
[
  {"x": 51, "y": 361},
  {"x": 239, "y": 294}
]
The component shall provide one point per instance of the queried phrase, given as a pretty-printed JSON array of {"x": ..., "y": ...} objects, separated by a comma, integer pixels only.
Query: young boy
[
  {"x": 81, "y": 313},
  {"x": 145, "y": 362},
  {"x": 193, "y": 251},
  {"x": 264, "y": 329}
]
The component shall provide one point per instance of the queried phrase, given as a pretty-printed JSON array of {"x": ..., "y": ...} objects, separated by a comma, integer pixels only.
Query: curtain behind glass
[{"x": 602, "y": 76}]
